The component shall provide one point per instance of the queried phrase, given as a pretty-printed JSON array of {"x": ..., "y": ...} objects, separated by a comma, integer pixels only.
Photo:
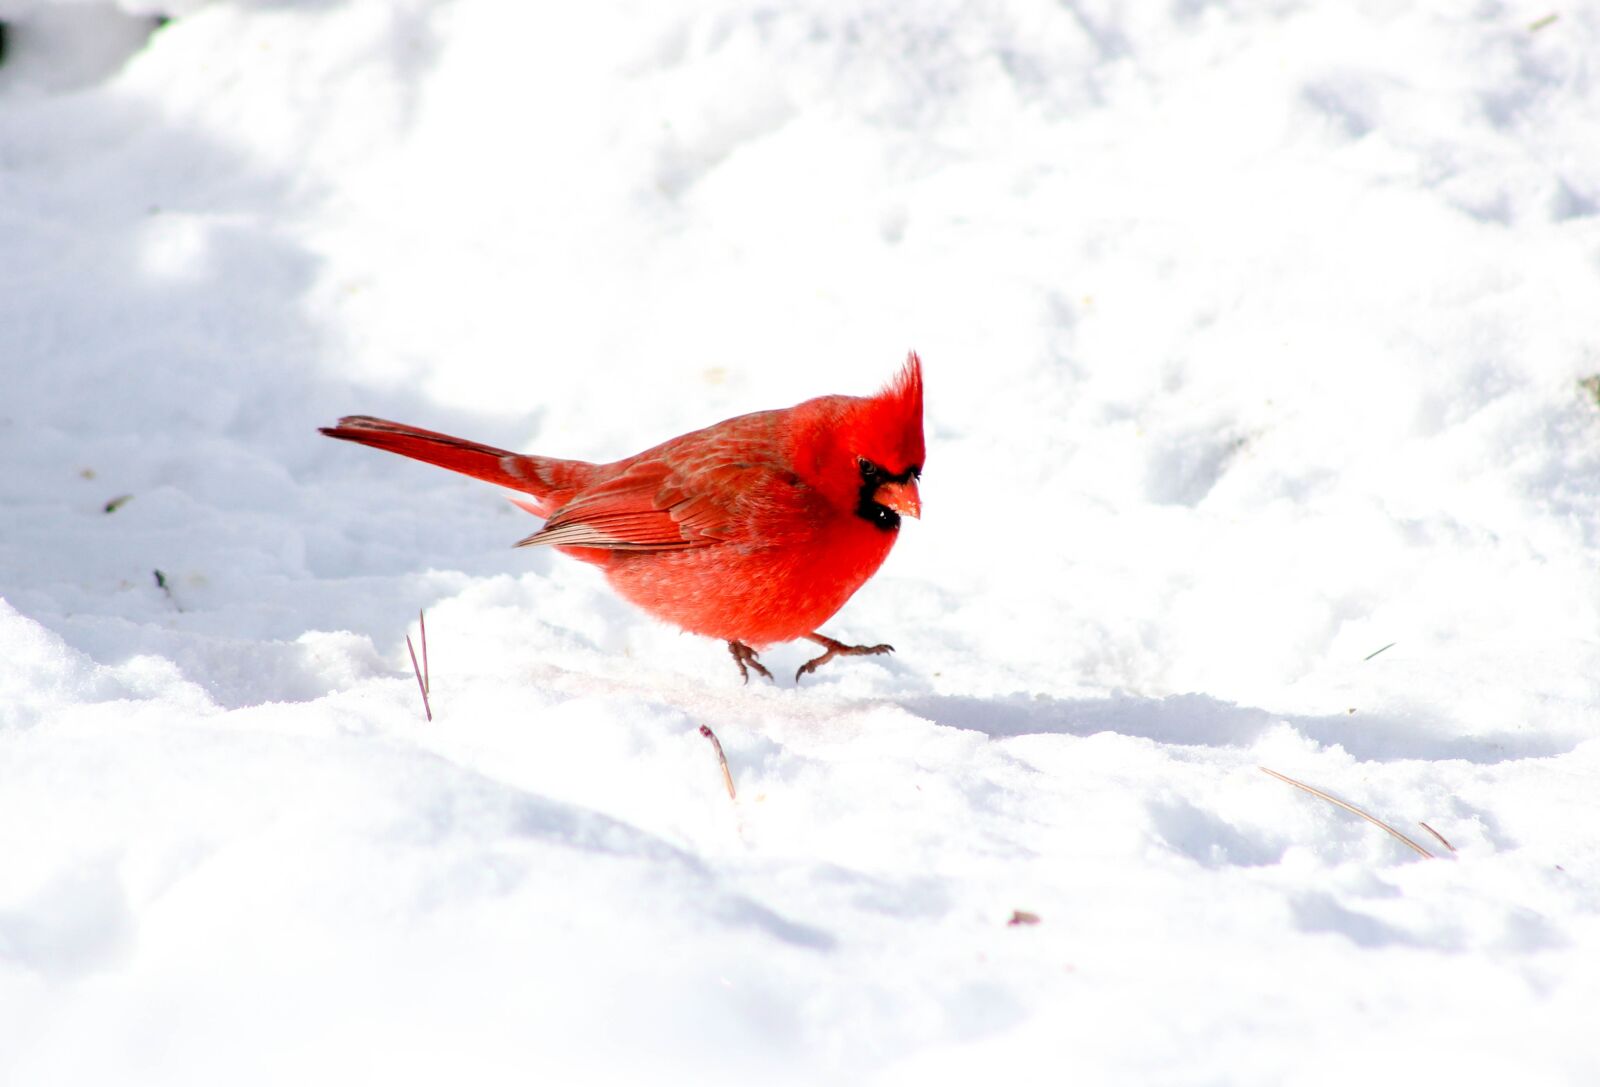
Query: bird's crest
[{"x": 895, "y": 415}]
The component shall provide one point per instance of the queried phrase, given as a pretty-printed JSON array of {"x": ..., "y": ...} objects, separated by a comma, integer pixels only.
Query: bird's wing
[{"x": 656, "y": 504}]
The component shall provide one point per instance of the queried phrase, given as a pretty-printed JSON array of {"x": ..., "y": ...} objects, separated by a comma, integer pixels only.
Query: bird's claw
[
  {"x": 837, "y": 649},
  {"x": 743, "y": 655}
]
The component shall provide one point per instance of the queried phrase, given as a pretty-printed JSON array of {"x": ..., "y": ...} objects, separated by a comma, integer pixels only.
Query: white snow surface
[{"x": 1255, "y": 337}]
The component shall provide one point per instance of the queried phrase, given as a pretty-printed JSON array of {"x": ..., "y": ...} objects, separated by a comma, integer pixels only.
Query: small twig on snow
[
  {"x": 722, "y": 760},
  {"x": 1542, "y": 22},
  {"x": 422, "y": 681},
  {"x": 161, "y": 583},
  {"x": 1023, "y": 917},
  {"x": 1375, "y": 652},
  {"x": 1442, "y": 839},
  {"x": 427, "y": 679},
  {"x": 1351, "y": 808}
]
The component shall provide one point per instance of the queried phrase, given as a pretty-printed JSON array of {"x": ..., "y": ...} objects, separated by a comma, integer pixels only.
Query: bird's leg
[
  {"x": 837, "y": 649},
  {"x": 744, "y": 655}
]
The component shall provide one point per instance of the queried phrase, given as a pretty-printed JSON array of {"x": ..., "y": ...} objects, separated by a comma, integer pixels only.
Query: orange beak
[{"x": 900, "y": 497}]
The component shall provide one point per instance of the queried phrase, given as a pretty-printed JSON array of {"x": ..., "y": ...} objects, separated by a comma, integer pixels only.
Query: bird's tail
[{"x": 548, "y": 480}]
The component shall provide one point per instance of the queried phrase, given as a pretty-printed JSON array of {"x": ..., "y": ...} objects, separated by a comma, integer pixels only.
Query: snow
[{"x": 1254, "y": 339}]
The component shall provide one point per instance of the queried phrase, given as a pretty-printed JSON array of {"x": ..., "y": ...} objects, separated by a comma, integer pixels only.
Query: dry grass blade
[
  {"x": 1351, "y": 808},
  {"x": 722, "y": 760},
  {"x": 427, "y": 680},
  {"x": 421, "y": 685},
  {"x": 1442, "y": 839}
]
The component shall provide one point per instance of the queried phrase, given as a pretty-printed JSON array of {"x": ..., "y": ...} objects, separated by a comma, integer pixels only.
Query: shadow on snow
[{"x": 1200, "y": 720}]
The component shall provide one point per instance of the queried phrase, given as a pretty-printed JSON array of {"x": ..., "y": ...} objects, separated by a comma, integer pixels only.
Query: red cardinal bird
[{"x": 754, "y": 530}]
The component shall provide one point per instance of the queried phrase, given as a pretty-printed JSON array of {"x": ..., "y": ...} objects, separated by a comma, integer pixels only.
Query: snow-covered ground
[{"x": 1255, "y": 339}]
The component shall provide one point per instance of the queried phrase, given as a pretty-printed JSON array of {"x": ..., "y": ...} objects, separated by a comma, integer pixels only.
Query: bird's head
[{"x": 865, "y": 453}]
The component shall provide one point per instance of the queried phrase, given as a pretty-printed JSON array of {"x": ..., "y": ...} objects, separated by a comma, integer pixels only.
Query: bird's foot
[
  {"x": 743, "y": 655},
  {"x": 837, "y": 649}
]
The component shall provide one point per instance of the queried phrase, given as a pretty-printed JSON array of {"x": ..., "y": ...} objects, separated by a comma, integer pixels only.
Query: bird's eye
[{"x": 868, "y": 469}]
